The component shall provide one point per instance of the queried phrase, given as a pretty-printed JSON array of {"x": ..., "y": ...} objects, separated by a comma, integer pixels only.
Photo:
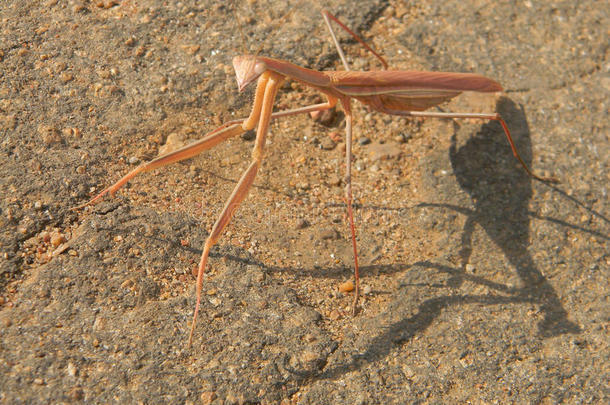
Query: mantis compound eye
[{"x": 247, "y": 69}]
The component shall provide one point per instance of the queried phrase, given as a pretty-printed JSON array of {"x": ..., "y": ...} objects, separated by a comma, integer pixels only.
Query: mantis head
[{"x": 247, "y": 69}]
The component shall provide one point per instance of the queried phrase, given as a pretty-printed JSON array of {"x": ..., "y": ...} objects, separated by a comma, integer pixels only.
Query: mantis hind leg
[
  {"x": 491, "y": 117},
  {"x": 348, "y": 197}
]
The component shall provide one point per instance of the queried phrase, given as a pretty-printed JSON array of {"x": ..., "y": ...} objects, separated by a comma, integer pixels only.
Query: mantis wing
[{"x": 388, "y": 91}]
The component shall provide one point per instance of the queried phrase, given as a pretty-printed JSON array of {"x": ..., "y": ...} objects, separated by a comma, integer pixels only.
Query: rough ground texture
[{"x": 482, "y": 285}]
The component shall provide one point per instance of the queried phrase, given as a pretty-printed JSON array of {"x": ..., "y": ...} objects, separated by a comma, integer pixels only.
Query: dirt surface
[{"x": 482, "y": 285}]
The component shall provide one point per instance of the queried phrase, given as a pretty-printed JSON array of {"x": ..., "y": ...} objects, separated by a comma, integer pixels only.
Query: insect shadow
[
  {"x": 500, "y": 197},
  {"x": 485, "y": 169},
  {"x": 501, "y": 208}
]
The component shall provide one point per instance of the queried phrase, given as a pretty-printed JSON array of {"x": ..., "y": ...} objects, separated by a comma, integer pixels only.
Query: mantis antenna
[
  {"x": 242, "y": 37},
  {"x": 327, "y": 17}
]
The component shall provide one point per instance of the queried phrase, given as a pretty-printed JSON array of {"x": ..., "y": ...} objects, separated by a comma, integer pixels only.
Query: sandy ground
[{"x": 483, "y": 286}]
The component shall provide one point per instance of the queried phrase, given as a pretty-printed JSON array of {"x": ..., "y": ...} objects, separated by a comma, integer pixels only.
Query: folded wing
[{"x": 389, "y": 91}]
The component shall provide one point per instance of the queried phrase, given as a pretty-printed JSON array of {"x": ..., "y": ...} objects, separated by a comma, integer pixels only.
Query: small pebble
[
  {"x": 327, "y": 144},
  {"x": 248, "y": 135},
  {"x": 363, "y": 140},
  {"x": 366, "y": 290},
  {"x": 328, "y": 234},
  {"x": 335, "y": 136},
  {"x": 76, "y": 394},
  {"x": 71, "y": 369},
  {"x": 57, "y": 239},
  {"x": 65, "y": 77},
  {"x": 404, "y": 137},
  {"x": 49, "y": 134},
  {"x": 71, "y": 131},
  {"x": 112, "y": 89},
  {"x": 8, "y": 122},
  {"x": 133, "y": 160},
  {"x": 173, "y": 142},
  {"x": 302, "y": 223},
  {"x": 324, "y": 117},
  {"x": 470, "y": 268},
  {"x": 191, "y": 49},
  {"x": 348, "y": 286},
  {"x": 334, "y": 315},
  {"x": 207, "y": 397},
  {"x": 106, "y": 3},
  {"x": 308, "y": 356},
  {"x": 59, "y": 67},
  {"x": 384, "y": 151},
  {"x": 333, "y": 180}
]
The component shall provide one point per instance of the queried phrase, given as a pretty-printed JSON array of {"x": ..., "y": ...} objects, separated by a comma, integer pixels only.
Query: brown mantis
[{"x": 406, "y": 93}]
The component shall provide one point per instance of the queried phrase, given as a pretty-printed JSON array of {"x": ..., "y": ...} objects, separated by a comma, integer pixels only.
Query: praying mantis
[{"x": 395, "y": 92}]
